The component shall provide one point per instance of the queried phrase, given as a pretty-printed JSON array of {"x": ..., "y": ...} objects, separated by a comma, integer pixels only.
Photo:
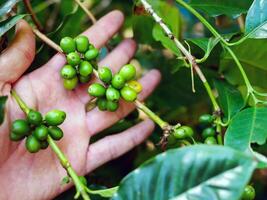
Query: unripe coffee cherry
[
  {"x": 105, "y": 74},
  {"x": 128, "y": 94},
  {"x": 70, "y": 84},
  {"x": 82, "y": 43},
  {"x": 55, "y": 117},
  {"x": 32, "y": 144},
  {"x": 97, "y": 90},
  {"x": 73, "y": 59},
  {"x": 68, "y": 72},
  {"x": 67, "y": 44},
  {"x": 128, "y": 72},
  {"x": 85, "y": 68}
]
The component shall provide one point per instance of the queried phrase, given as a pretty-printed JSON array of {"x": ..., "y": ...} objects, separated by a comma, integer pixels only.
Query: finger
[
  {"x": 113, "y": 146},
  {"x": 15, "y": 60},
  {"x": 99, "y": 120},
  {"x": 99, "y": 34},
  {"x": 120, "y": 56}
]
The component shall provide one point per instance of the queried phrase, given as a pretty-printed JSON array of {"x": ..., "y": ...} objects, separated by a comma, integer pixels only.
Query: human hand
[{"x": 38, "y": 176}]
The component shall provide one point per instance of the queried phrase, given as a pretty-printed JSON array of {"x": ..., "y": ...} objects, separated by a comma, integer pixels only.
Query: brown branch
[{"x": 35, "y": 20}]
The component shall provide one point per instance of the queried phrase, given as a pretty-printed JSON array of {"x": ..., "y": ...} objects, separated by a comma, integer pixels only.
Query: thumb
[{"x": 15, "y": 60}]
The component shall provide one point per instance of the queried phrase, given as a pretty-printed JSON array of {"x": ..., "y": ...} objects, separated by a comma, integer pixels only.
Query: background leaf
[
  {"x": 7, "y": 6},
  {"x": 252, "y": 55},
  {"x": 206, "y": 44},
  {"x": 248, "y": 126},
  {"x": 222, "y": 7},
  {"x": 9, "y": 23},
  {"x": 231, "y": 100},
  {"x": 3, "y": 100},
  {"x": 256, "y": 20},
  {"x": 194, "y": 172}
]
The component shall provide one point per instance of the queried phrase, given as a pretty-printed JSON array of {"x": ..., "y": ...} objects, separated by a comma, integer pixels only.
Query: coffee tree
[{"x": 203, "y": 152}]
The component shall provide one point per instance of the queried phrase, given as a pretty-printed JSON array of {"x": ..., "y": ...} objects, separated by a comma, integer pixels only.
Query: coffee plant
[{"x": 210, "y": 108}]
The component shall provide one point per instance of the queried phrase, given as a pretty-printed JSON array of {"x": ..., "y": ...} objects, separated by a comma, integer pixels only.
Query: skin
[{"x": 37, "y": 176}]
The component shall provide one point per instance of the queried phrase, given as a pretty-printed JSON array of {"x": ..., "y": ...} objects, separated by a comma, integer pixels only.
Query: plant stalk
[
  {"x": 191, "y": 59},
  {"x": 162, "y": 124},
  {"x": 35, "y": 20},
  {"x": 88, "y": 12}
]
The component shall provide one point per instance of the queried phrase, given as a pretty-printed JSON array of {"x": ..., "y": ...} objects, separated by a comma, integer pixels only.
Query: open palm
[{"x": 37, "y": 176}]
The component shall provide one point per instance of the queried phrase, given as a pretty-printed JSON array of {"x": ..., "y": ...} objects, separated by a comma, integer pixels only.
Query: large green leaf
[
  {"x": 198, "y": 172},
  {"x": 256, "y": 21},
  {"x": 2, "y": 108},
  {"x": 248, "y": 126},
  {"x": 9, "y": 23},
  {"x": 222, "y": 7},
  {"x": 7, "y": 6},
  {"x": 252, "y": 55},
  {"x": 231, "y": 100}
]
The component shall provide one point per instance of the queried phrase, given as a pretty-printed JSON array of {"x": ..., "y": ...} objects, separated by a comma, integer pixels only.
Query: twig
[
  {"x": 49, "y": 42},
  {"x": 191, "y": 59},
  {"x": 35, "y": 20},
  {"x": 88, "y": 12}
]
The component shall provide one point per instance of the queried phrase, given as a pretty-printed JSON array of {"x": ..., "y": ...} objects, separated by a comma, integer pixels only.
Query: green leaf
[
  {"x": 252, "y": 55},
  {"x": 198, "y": 172},
  {"x": 256, "y": 20},
  {"x": 248, "y": 126},
  {"x": 3, "y": 100},
  {"x": 160, "y": 36},
  {"x": 222, "y": 7},
  {"x": 231, "y": 100},
  {"x": 105, "y": 193},
  {"x": 7, "y": 6},
  {"x": 206, "y": 44},
  {"x": 171, "y": 16},
  {"x": 9, "y": 23}
]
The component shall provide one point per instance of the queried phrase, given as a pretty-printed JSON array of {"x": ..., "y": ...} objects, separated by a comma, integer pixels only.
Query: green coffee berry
[
  {"x": 20, "y": 127},
  {"x": 210, "y": 141},
  {"x": 112, "y": 94},
  {"x": 85, "y": 68},
  {"x": 118, "y": 81},
  {"x": 67, "y": 44},
  {"x": 44, "y": 144},
  {"x": 55, "y": 117},
  {"x": 34, "y": 117},
  {"x": 128, "y": 94},
  {"x": 249, "y": 193},
  {"x": 128, "y": 72},
  {"x": 208, "y": 132},
  {"x": 41, "y": 132},
  {"x": 55, "y": 132},
  {"x": 32, "y": 144},
  {"x": 14, "y": 137},
  {"x": 70, "y": 84},
  {"x": 73, "y": 59},
  {"x": 91, "y": 54},
  {"x": 68, "y": 72},
  {"x": 97, "y": 90},
  {"x": 102, "y": 104},
  {"x": 82, "y": 43},
  {"x": 206, "y": 119},
  {"x": 112, "y": 106},
  {"x": 84, "y": 79},
  {"x": 105, "y": 74}
]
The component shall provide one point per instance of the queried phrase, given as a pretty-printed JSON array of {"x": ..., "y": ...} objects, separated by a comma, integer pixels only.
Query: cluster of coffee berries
[
  {"x": 183, "y": 132},
  {"x": 113, "y": 87},
  {"x": 81, "y": 59},
  {"x": 208, "y": 132},
  {"x": 36, "y": 129}
]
